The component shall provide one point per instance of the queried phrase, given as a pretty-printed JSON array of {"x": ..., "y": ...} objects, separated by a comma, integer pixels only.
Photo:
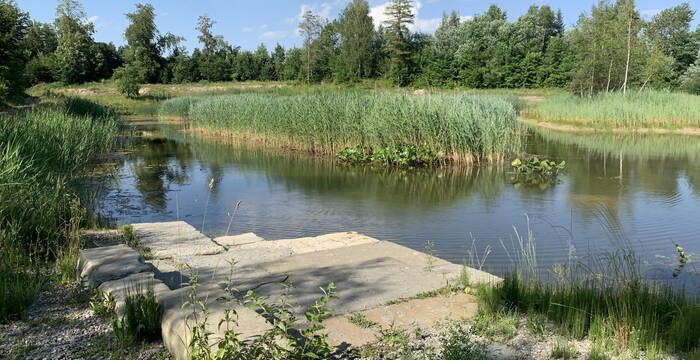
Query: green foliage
[
  {"x": 563, "y": 350},
  {"x": 141, "y": 320},
  {"x": 19, "y": 286},
  {"x": 284, "y": 340},
  {"x": 75, "y": 56},
  {"x": 458, "y": 344},
  {"x": 634, "y": 315},
  {"x": 14, "y": 26},
  {"x": 399, "y": 14},
  {"x": 360, "y": 320},
  {"x": 102, "y": 303},
  {"x": 464, "y": 127},
  {"x": 127, "y": 80},
  {"x": 402, "y": 155},
  {"x": 690, "y": 81},
  {"x": 86, "y": 108},
  {"x": 179, "y": 106},
  {"x": 535, "y": 165},
  {"x": 40, "y": 151},
  {"x": 636, "y": 109}
]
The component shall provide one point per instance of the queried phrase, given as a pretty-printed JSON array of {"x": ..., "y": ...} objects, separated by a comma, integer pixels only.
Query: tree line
[{"x": 610, "y": 48}]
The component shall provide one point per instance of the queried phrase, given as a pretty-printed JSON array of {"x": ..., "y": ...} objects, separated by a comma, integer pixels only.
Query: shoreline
[{"x": 584, "y": 129}]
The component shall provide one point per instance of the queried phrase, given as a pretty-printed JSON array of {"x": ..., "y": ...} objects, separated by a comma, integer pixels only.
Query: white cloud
[
  {"x": 273, "y": 35},
  {"x": 249, "y": 29},
  {"x": 324, "y": 9},
  {"x": 420, "y": 25},
  {"x": 92, "y": 19}
]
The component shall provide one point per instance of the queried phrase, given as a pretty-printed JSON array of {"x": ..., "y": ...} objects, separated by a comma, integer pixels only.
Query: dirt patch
[{"x": 532, "y": 99}]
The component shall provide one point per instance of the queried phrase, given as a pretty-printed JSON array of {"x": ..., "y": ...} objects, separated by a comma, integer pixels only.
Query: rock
[
  {"x": 99, "y": 265},
  {"x": 237, "y": 240}
]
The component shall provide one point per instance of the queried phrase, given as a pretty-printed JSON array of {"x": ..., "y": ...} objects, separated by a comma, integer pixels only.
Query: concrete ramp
[{"x": 368, "y": 274}]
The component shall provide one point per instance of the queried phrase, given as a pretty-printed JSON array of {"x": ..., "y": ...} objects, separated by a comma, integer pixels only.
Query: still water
[{"x": 640, "y": 193}]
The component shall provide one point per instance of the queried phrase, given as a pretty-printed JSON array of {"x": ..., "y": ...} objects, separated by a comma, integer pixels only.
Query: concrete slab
[
  {"x": 134, "y": 284},
  {"x": 99, "y": 265},
  {"x": 174, "y": 239},
  {"x": 314, "y": 244},
  {"x": 238, "y": 240},
  {"x": 411, "y": 314}
]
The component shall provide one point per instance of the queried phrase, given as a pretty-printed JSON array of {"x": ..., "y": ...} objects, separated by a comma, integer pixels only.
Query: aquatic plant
[
  {"x": 465, "y": 127},
  {"x": 636, "y": 109},
  {"x": 402, "y": 155}
]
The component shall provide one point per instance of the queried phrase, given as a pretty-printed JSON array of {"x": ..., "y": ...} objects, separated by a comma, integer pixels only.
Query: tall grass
[
  {"x": 41, "y": 150},
  {"x": 637, "y": 109},
  {"x": 628, "y": 314},
  {"x": 465, "y": 127},
  {"x": 178, "y": 106}
]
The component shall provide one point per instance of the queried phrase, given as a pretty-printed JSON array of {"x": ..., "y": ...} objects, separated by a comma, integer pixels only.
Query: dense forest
[{"x": 610, "y": 48}]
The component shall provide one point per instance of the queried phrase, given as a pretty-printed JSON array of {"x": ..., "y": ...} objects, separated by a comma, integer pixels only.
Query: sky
[{"x": 247, "y": 23}]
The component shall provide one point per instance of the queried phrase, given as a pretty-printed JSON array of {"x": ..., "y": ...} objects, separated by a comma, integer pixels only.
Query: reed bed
[
  {"x": 465, "y": 127},
  {"x": 634, "y": 110},
  {"x": 41, "y": 150},
  {"x": 621, "y": 315}
]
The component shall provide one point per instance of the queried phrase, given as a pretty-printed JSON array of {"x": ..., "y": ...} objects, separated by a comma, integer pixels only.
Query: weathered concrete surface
[
  {"x": 314, "y": 244},
  {"x": 173, "y": 239},
  {"x": 134, "y": 284},
  {"x": 411, "y": 314},
  {"x": 237, "y": 240},
  {"x": 367, "y": 273},
  {"x": 98, "y": 265}
]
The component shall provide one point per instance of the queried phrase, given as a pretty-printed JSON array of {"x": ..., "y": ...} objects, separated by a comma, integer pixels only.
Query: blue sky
[{"x": 248, "y": 23}]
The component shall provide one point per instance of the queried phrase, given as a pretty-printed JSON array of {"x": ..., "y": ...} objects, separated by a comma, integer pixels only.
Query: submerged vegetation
[
  {"x": 634, "y": 110},
  {"x": 387, "y": 128},
  {"x": 41, "y": 150}
]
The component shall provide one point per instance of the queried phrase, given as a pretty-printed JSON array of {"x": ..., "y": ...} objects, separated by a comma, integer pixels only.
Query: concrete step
[
  {"x": 98, "y": 265},
  {"x": 173, "y": 239}
]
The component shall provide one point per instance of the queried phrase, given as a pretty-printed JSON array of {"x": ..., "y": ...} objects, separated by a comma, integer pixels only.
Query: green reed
[
  {"x": 465, "y": 127},
  {"x": 636, "y": 109},
  {"x": 41, "y": 150}
]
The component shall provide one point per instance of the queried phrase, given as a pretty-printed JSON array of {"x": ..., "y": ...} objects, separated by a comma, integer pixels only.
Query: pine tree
[
  {"x": 399, "y": 16},
  {"x": 310, "y": 27},
  {"x": 357, "y": 34}
]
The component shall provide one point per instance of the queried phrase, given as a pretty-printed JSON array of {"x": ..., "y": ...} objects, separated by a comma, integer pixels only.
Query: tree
[
  {"x": 278, "y": 58},
  {"x": 128, "y": 80},
  {"x": 75, "y": 58},
  {"x": 310, "y": 28},
  {"x": 263, "y": 64},
  {"x": 399, "y": 16},
  {"x": 357, "y": 35},
  {"x": 669, "y": 33},
  {"x": 14, "y": 25},
  {"x": 216, "y": 58},
  {"x": 40, "y": 44},
  {"x": 142, "y": 53},
  {"x": 690, "y": 81}
]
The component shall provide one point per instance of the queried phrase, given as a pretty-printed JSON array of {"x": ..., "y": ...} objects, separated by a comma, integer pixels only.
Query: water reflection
[{"x": 646, "y": 201}]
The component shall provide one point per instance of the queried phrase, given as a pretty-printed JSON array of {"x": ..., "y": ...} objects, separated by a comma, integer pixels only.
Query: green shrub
[{"x": 127, "y": 81}]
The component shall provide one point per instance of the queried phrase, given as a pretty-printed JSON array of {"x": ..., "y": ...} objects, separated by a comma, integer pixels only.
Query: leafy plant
[
  {"x": 563, "y": 350},
  {"x": 535, "y": 165},
  {"x": 361, "y": 320},
  {"x": 102, "y": 303},
  {"x": 141, "y": 320}
]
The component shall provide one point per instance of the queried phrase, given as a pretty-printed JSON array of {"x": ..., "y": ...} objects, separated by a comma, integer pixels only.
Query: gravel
[{"x": 61, "y": 325}]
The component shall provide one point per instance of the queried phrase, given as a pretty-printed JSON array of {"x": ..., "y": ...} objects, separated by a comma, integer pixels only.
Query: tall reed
[
  {"x": 465, "y": 127},
  {"x": 637, "y": 109},
  {"x": 41, "y": 150}
]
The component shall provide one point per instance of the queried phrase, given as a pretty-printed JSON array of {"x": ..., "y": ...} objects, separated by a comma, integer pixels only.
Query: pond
[{"x": 634, "y": 192}]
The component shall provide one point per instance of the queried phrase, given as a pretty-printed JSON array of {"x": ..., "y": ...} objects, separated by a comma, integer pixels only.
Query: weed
[
  {"x": 102, "y": 304},
  {"x": 141, "y": 320},
  {"x": 497, "y": 326},
  {"x": 133, "y": 242},
  {"x": 597, "y": 353},
  {"x": 361, "y": 321},
  {"x": 22, "y": 351},
  {"x": 458, "y": 345},
  {"x": 563, "y": 350},
  {"x": 429, "y": 250}
]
